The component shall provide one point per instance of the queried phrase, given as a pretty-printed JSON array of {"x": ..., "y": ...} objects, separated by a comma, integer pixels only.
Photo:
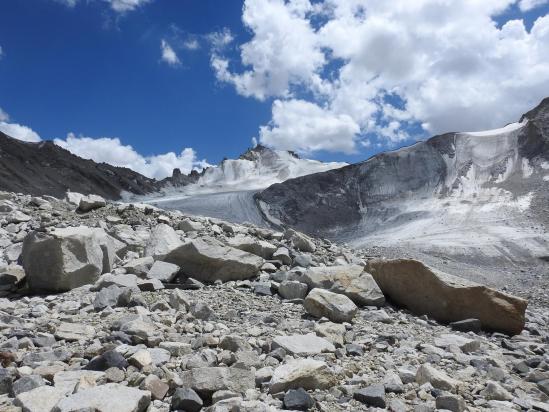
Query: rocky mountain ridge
[{"x": 132, "y": 308}]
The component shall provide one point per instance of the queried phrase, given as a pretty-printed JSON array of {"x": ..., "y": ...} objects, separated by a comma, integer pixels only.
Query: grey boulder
[
  {"x": 208, "y": 260},
  {"x": 67, "y": 258},
  {"x": 349, "y": 280},
  {"x": 322, "y": 303}
]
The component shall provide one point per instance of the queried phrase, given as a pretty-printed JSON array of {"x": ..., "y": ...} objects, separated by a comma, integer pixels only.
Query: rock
[
  {"x": 292, "y": 289},
  {"x": 162, "y": 241},
  {"x": 300, "y": 241},
  {"x": 155, "y": 386},
  {"x": 452, "y": 403},
  {"x": 91, "y": 202},
  {"x": 252, "y": 245},
  {"x": 544, "y": 386},
  {"x": 115, "y": 375},
  {"x": 74, "y": 332},
  {"x": 163, "y": 271},
  {"x": 68, "y": 380},
  {"x": 234, "y": 343},
  {"x": 209, "y": 260},
  {"x": 176, "y": 348},
  {"x": 27, "y": 383},
  {"x": 334, "y": 332},
  {"x": 303, "y": 345},
  {"x": 6, "y": 381},
  {"x": 11, "y": 276},
  {"x": 17, "y": 217},
  {"x": 467, "y": 325},
  {"x": 108, "y": 359},
  {"x": 179, "y": 300},
  {"x": 206, "y": 381},
  {"x": 308, "y": 374},
  {"x": 336, "y": 307},
  {"x": 283, "y": 255},
  {"x": 495, "y": 392},
  {"x": 140, "y": 266},
  {"x": 185, "y": 399},
  {"x": 373, "y": 395},
  {"x": 67, "y": 258},
  {"x": 73, "y": 198},
  {"x": 447, "y": 298},
  {"x": 140, "y": 359},
  {"x": 201, "y": 311},
  {"x": 112, "y": 296},
  {"x": 108, "y": 397},
  {"x": 189, "y": 225},
  {"x": 427, "y": 374},
  {"x": 122, "y": 281},
  {"x": 465, "y": 344},
  {"x": 349, "y": 280},
  {"x": 41, "y": 399},
  {"x": 298, "y": 400}
]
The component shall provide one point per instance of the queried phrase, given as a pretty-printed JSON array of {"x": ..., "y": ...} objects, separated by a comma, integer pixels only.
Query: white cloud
[
  {"x": 445, "y": 65},
  {"x": 220, "y": 39},
  {"x": 168, "y": 54},
  {"x": 4, "y": 117},
  {"x": 17, "y": 131},
  {"x": 302, "y": 126},
  {"x": 527, "y": 5},
  {"x": 112, "y": 151},
  {"x": 191, "y": 44},
  {"x": 119, "y": 6}
]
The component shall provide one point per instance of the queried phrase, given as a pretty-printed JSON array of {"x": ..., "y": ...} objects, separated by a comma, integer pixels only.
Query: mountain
[
  {"x": 227, "y": 190},
  {"x": 46, "y": 169},
  {"x": 477, "y": 195}
]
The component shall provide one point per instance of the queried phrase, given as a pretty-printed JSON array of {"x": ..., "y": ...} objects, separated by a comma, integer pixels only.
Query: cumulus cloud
[
  {"x": 371, "y": 70},
  {"x": 16, "y": 130},
  {"x": 168, "y": 54},
  {"x": 527, "y": 5},
  {"x": 114, "y": 152},
  {"x": 303, "y": 126}
]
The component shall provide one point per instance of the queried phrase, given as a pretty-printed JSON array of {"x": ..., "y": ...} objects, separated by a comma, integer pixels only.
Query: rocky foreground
[{"x": 125, "y": 307}]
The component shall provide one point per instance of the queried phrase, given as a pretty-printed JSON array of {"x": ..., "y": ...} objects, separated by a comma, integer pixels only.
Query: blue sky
[{"x": 323, "y": 78}]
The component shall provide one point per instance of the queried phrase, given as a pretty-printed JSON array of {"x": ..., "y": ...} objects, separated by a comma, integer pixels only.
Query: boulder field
[{"x": 126, "y": 307}]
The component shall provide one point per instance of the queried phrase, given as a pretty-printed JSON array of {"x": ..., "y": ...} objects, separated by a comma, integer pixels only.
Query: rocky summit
[{"x": 127, "y": 307}]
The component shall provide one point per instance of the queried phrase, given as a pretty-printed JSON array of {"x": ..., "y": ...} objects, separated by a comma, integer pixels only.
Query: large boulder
[
  {"x": 162, "y": 241},
  {"x": 447, "y": 298},
  {"x": 349, "y": 280},
  {"x": 91, "y": 202},
  {"x": 336, "y": 307},
  {"x": 208, "y": 260},
  {"x": 66, "y": 258}
]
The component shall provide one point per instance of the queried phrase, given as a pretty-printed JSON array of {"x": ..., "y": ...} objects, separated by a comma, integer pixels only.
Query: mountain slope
[
  {"x": 226, "y": 191},
  {"x": 46, "y": 169},
  {"x": 484, "y": 195}
]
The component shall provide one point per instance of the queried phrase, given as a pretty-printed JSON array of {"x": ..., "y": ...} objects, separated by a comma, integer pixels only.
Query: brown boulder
[{"x": 447, "y": 298}]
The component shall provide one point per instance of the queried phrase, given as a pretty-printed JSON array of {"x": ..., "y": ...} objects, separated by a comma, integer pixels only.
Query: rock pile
[{"x": 126, "y": 307}]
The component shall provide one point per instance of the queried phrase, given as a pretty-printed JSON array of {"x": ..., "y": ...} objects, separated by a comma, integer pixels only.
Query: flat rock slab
[
  {"x": 74, "y": 331},
  {"x": 303, "y": 345},
  {"x": 106, "y": 398},
  {"x": 447, "y": 298},
  {"x": 41, "y": 399}
]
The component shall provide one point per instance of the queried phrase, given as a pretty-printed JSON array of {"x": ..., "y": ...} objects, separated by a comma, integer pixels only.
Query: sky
[{"x": 158, "y": 84}]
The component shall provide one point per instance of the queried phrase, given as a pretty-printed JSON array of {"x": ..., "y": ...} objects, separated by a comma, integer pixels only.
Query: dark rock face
[
  {"x": 441, "y": 185},
  {"x": 46, "y": 169}
]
